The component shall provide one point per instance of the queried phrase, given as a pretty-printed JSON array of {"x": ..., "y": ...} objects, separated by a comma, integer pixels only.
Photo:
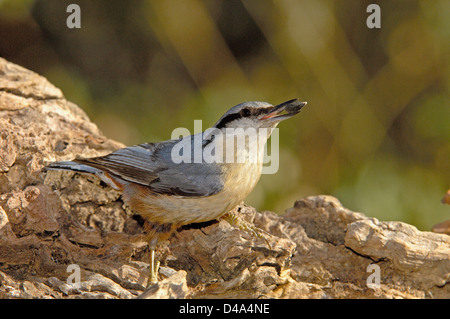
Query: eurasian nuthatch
[{"x": 169, "y": 193}]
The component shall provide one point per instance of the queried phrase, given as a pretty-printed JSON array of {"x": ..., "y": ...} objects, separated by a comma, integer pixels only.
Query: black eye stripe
[
  {"x": 260, "y": 111},
  {"x": 251, "y": 111},
  {"x": 227, "y": 119}
]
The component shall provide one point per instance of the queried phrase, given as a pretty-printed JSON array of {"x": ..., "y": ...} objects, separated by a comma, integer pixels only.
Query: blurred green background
[{"x": 375, "y": 133}]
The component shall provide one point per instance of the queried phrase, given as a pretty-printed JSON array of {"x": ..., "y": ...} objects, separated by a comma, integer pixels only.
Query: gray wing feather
[{"x": 151, "y": 165}]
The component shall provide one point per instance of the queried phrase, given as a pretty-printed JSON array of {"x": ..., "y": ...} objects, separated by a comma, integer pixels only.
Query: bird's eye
[{"x": 245, "y": 112}]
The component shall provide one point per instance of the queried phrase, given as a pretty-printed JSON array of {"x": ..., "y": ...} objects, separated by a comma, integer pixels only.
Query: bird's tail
[
  {"x": 72, "y": 166},
  {"x": 83, "y": 168}
]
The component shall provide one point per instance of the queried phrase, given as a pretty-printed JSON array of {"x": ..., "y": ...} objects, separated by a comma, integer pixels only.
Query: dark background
[{"x": 375, "y": 133}]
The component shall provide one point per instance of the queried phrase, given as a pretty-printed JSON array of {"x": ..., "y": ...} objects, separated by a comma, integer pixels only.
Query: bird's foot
[
  {"x": 236, "y": 221},
  {"x": 153, "y": 278}
]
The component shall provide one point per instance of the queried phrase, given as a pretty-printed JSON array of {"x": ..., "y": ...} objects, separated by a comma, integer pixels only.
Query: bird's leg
[
  {"x": 234, "y": 220},
  {"x": 154, "y": 265},
  {"x": 157, "y": 232}
]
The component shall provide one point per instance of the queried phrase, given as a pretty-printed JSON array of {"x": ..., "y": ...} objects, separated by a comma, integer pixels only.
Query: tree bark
[{"x": 49, "y": 221}]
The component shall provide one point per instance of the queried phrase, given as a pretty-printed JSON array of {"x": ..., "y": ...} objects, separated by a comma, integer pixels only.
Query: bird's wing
[{"x": 151, "y": 165}]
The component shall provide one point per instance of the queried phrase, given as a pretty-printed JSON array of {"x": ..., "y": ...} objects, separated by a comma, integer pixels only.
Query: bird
[{"x": 192, "y": 179}]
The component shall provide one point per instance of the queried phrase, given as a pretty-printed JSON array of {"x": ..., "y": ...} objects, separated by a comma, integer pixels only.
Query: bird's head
[{"x": 258, "y": 114}]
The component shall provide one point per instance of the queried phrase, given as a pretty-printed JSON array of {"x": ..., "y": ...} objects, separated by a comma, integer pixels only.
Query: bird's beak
[{"x": 284, "y": 110}]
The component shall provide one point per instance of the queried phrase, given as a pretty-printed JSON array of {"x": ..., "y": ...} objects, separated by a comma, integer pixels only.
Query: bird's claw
[{"x": 234, "y": 220}]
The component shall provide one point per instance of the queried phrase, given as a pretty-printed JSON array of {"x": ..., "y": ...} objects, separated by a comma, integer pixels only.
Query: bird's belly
[{"x": 183, "y": 210}]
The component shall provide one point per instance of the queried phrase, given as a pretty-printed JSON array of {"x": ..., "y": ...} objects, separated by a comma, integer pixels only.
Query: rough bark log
[{"x": 49, "y": 221}]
